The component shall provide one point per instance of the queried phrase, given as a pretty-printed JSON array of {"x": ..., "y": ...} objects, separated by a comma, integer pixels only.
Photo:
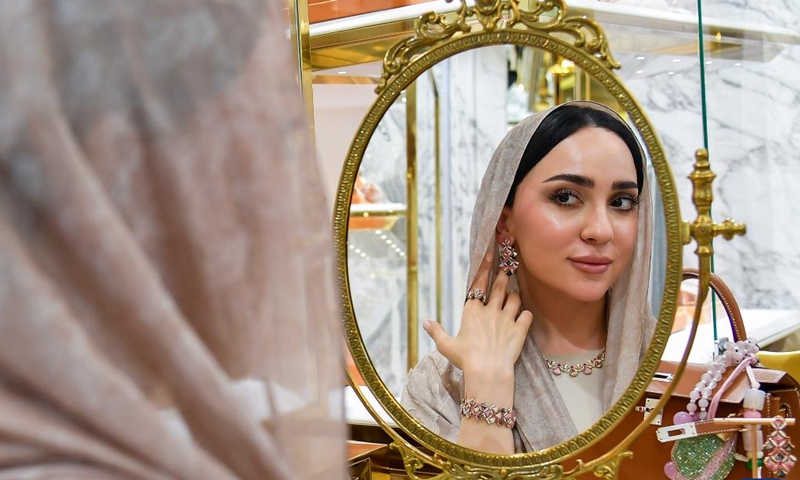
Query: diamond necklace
[{"x": 573, "y": 370}]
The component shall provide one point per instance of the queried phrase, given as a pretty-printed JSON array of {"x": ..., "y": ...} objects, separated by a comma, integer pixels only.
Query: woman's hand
[
  {"x": 487, "y": 346},
  {"x": 491, "y": 336}
]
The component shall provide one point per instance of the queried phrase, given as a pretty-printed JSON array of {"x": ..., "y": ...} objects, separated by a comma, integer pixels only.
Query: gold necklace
[{"x": 573, "y": 370}]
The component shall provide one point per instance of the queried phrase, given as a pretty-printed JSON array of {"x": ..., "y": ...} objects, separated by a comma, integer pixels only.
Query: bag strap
[{"x": 728, "y": 301}]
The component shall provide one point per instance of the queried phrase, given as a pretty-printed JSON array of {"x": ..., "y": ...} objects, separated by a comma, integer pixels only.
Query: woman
[{"x": 556, "y": 319}]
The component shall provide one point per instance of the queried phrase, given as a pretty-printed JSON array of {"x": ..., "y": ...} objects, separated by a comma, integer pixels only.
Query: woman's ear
[{"x": 504, "y": 227}]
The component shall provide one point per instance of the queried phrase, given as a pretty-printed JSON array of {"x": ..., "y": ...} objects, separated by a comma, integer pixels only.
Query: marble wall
[{"x": 752, "y": 102}]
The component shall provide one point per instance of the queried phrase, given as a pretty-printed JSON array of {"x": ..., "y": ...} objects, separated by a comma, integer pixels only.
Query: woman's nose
[{"x": 597, "y": 227}]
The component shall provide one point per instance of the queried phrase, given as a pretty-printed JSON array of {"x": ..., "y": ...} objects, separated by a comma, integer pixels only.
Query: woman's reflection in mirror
[{"x": 557, "y": 318}]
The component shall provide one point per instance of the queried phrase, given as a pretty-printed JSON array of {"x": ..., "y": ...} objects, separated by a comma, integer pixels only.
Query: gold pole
[
  {"x": 752, "y": 421},
  {"x": 412, "y": 227},
  {"x": 753, "y": 431},
  {"x": 298, "y": 26}
]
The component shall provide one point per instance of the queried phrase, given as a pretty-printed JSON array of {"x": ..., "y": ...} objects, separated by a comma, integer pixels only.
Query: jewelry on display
[
  {"x": 508, "y": 255},
  {"x": 734, "y": 354},
  {"x": 477, "y": 294},
  {"x": 573, "y": 370},
  {"x": 778, "y": 447},
  {"x": 491, "y": 414}
]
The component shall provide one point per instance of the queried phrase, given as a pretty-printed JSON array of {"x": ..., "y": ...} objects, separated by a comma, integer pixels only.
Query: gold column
[
  {"x": 298, "y": 26},
  {"x": 412, "y": 228}
]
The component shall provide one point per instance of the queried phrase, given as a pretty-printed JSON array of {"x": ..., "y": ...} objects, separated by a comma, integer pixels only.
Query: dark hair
[{"x": 563, "y": 122}]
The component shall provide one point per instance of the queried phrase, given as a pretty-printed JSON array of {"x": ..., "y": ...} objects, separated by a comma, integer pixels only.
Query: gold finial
[
  {"x": 703, "y": 229},
  {"x": 729, "y": 228}
]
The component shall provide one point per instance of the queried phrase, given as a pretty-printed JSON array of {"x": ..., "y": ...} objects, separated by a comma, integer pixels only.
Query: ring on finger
[{"x": 477, "y": 293}]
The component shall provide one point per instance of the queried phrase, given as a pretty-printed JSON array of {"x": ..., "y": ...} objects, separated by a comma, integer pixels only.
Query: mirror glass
[{"x": 415, "y": 189}]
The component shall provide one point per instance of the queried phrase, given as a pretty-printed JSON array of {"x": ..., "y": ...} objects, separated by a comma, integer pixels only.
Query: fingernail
[
  {"x": 426, "y": 324},
  {"x": 488, "y": 256}
]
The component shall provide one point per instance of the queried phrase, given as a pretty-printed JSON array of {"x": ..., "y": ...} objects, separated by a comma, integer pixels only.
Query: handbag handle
[{"x": 728, "y": 301}]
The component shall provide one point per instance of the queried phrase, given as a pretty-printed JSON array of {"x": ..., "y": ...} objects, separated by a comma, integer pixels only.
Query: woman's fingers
[
  {"x": 524, "y": 321},
  {"x": 512, "y": 305},
  {"x": 482, "y": 275},
  {"x": 498, "y": 293},
  {"x": 443, "y": 341}
]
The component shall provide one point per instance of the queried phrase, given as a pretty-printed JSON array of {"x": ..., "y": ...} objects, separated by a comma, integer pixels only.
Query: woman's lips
[{"x": 591, "y": 264}]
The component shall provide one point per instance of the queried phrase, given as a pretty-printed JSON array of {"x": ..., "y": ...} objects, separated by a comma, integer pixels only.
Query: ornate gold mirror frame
[{"x": 546, "y": 26}]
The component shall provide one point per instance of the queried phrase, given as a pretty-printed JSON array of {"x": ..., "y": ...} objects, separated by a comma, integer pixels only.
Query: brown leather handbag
[{"x": 650, "y": 454}]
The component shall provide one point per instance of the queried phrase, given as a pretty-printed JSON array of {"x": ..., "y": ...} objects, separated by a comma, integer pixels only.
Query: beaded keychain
[{"x": 700, "y": 397}]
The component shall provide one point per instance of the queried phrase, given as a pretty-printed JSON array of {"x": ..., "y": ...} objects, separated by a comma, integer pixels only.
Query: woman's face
[{"x": 574, "y": 218}]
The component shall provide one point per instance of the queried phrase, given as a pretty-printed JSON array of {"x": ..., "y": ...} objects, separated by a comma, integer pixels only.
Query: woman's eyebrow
[
  {"x": 572, "y": 178},
  {"x": 624, "y": 185},
  {"x": 588, "y": 182}
]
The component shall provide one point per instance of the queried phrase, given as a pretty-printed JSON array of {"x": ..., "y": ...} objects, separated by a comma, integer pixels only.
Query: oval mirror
[{"x": 405, "y": 202}]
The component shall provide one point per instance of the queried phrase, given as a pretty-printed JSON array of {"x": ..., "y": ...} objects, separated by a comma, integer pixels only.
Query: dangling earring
[{"x": 508, "y": 255}]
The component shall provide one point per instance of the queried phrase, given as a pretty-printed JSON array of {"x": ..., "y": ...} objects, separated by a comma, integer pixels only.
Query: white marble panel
[
  {"x": 478, "y": 81},
  {"x": 753, "y": 120},
  {"x": 754, "y": 111},
  {"x": 429, "y": 247},
  {"x": 778, "y": 13}
]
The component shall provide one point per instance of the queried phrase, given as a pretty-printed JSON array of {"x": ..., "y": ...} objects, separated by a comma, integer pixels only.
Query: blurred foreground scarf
[{"x": 167, "y": 307}]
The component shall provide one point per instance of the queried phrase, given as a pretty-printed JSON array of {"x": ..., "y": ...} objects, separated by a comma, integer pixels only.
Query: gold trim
[
  {"x": 299, "y": 31},
  {"x": 591, "y": 54},
  {"x": 342, "y": 80},
  {"x": 378, "y": 213},
  {"x": 412, "y": 230}
]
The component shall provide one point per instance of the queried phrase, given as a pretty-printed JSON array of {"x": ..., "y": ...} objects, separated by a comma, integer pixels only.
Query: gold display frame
[{"x": 547, "y": 26}]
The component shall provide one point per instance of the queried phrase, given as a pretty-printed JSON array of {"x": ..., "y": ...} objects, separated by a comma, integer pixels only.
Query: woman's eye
[
  {"x": 565, "y": 197},
  {"x": 625, "y": 202}
]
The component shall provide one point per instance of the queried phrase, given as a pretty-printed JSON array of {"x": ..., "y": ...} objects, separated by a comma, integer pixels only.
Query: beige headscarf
[
  {"x": 167, "y": 304},
  {"x": 434, "y": 388}
]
